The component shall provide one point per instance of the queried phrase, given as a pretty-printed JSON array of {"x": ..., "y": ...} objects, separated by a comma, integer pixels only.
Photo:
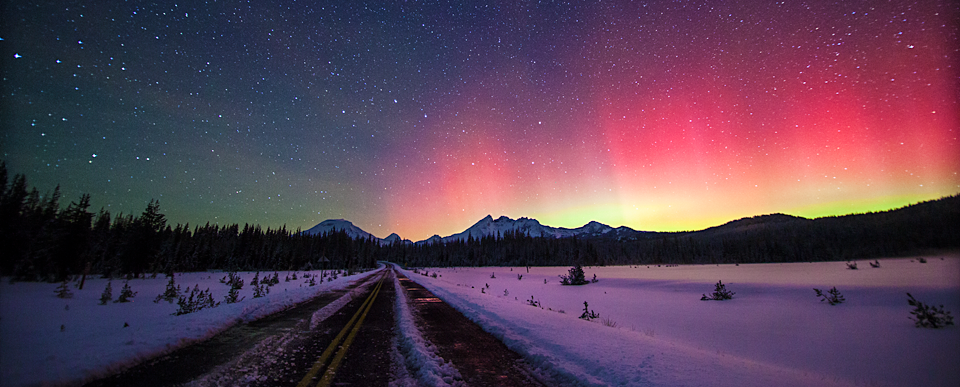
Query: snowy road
[{"x": 363, "y": 335}]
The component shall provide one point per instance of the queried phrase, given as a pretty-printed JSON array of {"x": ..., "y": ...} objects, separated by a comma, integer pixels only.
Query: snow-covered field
[
  {"x": 775, "y": 331},
  {"x": 49, "y": 340}
]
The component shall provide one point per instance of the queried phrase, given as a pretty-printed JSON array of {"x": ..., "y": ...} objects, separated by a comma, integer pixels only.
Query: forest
[{"x": 43, "y": 240}]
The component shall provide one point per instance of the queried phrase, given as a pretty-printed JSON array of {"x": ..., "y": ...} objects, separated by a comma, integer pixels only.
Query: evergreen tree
[
  {"x": 63, "y": 291},
  {"x": 107, "y": 294},
  {"x": 126, "y": 293}
]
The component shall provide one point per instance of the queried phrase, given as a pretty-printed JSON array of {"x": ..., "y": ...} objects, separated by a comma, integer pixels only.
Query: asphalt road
[{"x": 353, "y": 347}]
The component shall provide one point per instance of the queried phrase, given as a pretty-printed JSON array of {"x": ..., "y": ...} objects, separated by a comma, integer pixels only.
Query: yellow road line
[
  {"x": 332, "y": 368},
  {"x": 336, "y": 341}
]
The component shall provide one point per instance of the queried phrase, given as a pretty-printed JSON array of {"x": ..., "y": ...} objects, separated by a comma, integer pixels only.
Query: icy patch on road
[{"x": 419, "y": 356}]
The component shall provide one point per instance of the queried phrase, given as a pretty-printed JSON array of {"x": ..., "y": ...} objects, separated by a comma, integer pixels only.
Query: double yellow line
[{"x": 353, "y": 326}]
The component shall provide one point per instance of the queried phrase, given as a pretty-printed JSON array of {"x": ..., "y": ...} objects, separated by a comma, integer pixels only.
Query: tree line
[{"x": 43, "y": 242}]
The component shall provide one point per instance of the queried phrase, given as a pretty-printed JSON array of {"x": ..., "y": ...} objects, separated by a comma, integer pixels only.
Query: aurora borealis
[{"x": 421, "y": 118}]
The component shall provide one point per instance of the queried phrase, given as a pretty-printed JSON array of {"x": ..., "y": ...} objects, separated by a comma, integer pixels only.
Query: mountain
[
  {"x": 340, "y": 225},
  {"x": 532, "y": 227}
]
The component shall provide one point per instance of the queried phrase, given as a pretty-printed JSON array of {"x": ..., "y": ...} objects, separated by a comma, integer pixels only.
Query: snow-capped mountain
[
  {"x": 338, "y": 225},
  {"x": 390, "y": 239},
  {"x": 532, "y": 227},
  {"x": 485, "y": 227}
]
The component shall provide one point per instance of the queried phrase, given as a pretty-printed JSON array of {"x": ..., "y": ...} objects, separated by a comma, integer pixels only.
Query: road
[{"x": 356, "y": 346}]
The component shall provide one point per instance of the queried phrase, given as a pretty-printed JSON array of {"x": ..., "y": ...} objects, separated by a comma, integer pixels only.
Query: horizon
[{"x": 420, "y": 119}]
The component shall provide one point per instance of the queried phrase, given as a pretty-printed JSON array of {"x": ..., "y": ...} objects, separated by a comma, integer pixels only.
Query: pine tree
[
  {"x": 63, "y": 291},
  {"x": 575, "y": 276},
  {"x": 107, "y": 294},
  {"x": 126, "y": 293}
]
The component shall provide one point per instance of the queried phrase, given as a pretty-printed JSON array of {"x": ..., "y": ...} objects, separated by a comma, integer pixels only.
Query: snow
[
  {"x": 340, "y": 225},
  {"x": 489, "y": 227},
  {"x": 418, "y": 355},
  {"x": 93, "y": 341},
  {"x": 773, "y": 332}
]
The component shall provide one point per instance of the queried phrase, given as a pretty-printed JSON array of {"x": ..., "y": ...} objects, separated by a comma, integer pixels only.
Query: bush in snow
[
  {"x": 720, "y": 293},
  {"x": 274, "y": 280},
  {"x": 262, "y": 290},
  {"x": 235, "y": 281},
  {"x": 126, "y": 293},
  {"x": 922, "y": 260},
  {"x": 196, "y": 301},
  {"x": 607, "y": 322},
  {"x": 833, "y": 296},
  {"x": 107, "y": 294},
  {"x": 256, "y": 279},
  {"x": 313, "y": 282},
  {"x": 594, "y": 280},
  {"x": 233, "y": 296},
  {"x": 519, "y": 277},
  {"x": 574, "y": 276},
  {"x": 588, "y": 314},
  {"x": 874, "y": 264},
  {"x": 63, "y": 291},
  {"x": 533, "y": 302},
  {"x": 926, "y": 316},
  {"x": 493, "y": 275},
  {"x": 170, "y": 294},
  {"x": 852, "y": 265}
]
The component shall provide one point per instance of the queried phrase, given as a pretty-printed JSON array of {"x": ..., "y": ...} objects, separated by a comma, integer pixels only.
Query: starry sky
[{"x": 422, "y": 117}]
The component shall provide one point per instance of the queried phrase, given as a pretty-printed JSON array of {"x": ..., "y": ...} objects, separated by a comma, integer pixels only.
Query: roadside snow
[
  {"x": 773, "y": 332},
  {"x": 423, "y": 367},
  {"x": 48, "y": 340}
]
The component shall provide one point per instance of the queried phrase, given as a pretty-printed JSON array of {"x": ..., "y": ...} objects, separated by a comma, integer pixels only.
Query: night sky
[{"x": 421, "y": 118}]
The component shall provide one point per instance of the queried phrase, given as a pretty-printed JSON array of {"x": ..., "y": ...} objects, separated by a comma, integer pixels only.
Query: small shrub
[
  {"x": 588, "y": 314},
  {"x": 196, "y": 301},
  {"x": 63, "y": 291},
  {"x": 506, "y": 292},
  {"x": 852, "y": 265},
  {"x": 262, "y": 290},
  {"x": 107, "y": 294},
  {"x": 594, "y": 280},
  {"x": 874, "y": 264},
  {"x": 833, "y": 296},
  {"x": 493, "y": 275},
  {"x": 922, "y": 260},
  {"x": 434, "y": 275},
  {"x": 533, "y": 302},
  {"x": 126, "y": 293},
  {"x": 256, "y": 279},
  {"x": 574, "y": 276},
  {"x": 720, "y": 293},
  {"x": 519, "y": 277},
  {"x": 235, "y": 281},
  {"x": 313, "y": 281},
  {"x": 170, "y": 294},
  {"x": 233, "y": 296},
  {"x": 926, "y": 316},
  {"x": 608, "y": 322}
]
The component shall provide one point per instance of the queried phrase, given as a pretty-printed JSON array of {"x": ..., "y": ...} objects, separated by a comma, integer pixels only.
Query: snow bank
[
  {"x": 49, "y": 340},
  {"x": 774, "y": 332},
  {"x": 417, "y": 353}
]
